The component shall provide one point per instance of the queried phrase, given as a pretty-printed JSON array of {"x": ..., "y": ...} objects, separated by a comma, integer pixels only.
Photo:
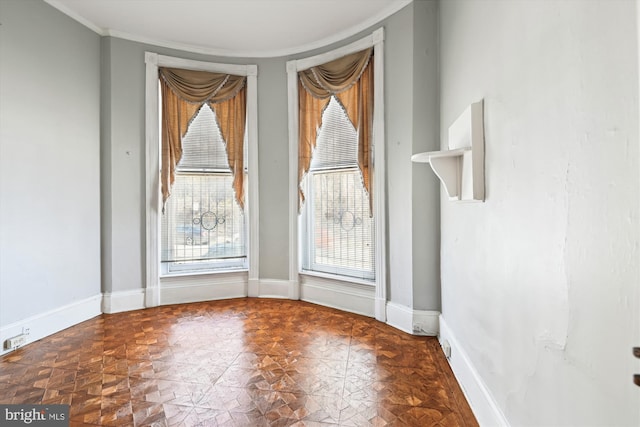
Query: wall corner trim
[
  {"x": 252, "y": 70},
  {"x": 151, "y": 58},
  {"x": 414, "y": 322},
  {"x": 478, "y": 395},
  {"x": 276, "y": 288},
  {"x": 117, "y": 302},
  {"x": 378, "y": 35}
]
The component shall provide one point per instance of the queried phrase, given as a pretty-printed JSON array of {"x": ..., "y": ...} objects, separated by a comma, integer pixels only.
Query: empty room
[{"x": 320, "y": 212}]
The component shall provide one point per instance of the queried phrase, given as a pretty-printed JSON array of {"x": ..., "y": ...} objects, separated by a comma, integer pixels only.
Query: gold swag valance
[
  {"x": 184, "y": 92},
  {"x": 350, "y": 80}
]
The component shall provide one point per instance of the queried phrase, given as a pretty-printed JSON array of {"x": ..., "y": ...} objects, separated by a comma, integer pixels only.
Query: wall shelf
[{"x": 461, "y": 167}]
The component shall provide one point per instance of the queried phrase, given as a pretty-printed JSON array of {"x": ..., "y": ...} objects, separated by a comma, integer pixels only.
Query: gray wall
[
  {"x": 399, "y": 127},
  {"x": 273, "y": 140},
  {"x": 122, "y": 165},
  {"x": 411, "y": 108},
  {"x": 49, "y": 160},
  {"x": 540, "y": 282},
  {"x": 425, "y": 195}
]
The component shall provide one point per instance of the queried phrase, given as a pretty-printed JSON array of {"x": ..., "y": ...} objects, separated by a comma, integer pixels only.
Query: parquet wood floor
[{"x": 241, "y": 362}]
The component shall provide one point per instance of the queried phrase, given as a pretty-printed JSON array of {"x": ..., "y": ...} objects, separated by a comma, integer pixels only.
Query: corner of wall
[{"x": 414, "y": 322}]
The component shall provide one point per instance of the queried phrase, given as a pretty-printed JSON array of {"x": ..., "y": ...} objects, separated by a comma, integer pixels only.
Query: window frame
[
  {"x": 307, "y": 247},
  {"x": 375, "y": 40},
  {"x": 153, "y": 198}
]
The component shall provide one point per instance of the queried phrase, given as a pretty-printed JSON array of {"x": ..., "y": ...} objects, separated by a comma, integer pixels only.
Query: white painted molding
[
  {"x": 151, "y": 58},
  {"x": 415, "y": 322},
  {"x": 294, "y": 289},
  {"x": 293, "y": 116},
  {"x": 214, "y": 67},
  {"x": 185, "y": 47},
  {"x": 152, "y": 296},
  {"x": 380, "y": 172},
  {"x": 273, "y": 288},
  {"x": 52, "y": 321},
  {"x": 478, "y": 395},
  {"x": 252, "y": 202},
  {"x": 378, "y": 36},
  {"x": 198, "y": 288},
  {"x": 292, "y": 66},
  {"x": 253, "y": 288},
  {"x": 152, "y": 181},
  {"x": 117, "y": 302},
  {"x": 346, "y": 296},
  {"x": 252, "y": 70},
  {"x": 380, "y": 309}
]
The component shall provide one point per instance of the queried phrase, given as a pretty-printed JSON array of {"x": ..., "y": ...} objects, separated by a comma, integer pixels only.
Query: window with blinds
[
  {"x": 339, "y": 231},
  {"x": 203, "y": 227}
]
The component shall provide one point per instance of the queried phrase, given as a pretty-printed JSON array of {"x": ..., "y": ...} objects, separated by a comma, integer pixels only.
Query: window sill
[
  {"x": 338, "y": 278},
  {"x": 203, "y": 272}
]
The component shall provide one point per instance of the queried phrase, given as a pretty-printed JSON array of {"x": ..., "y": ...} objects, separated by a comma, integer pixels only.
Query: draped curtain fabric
[
  {"x": 350, "y": 80},
  {"x": 184, "y": 92}
]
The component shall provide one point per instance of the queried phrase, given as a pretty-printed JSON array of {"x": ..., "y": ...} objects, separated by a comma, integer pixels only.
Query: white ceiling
[{"x": 246, "y": 28}]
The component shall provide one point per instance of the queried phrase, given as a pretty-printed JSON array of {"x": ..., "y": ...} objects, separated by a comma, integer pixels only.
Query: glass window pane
[
  {"x": 202, "y": 219},
  {"x": 343, "y": 233}
]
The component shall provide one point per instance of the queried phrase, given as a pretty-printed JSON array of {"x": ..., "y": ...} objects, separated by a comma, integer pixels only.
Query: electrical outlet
[
  {"x": 15, "y": 342},
  {"x": 446, "y": 348}
]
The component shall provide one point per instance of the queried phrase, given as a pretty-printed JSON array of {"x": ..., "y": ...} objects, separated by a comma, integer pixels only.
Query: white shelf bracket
[{"x": 461, "y": 167}]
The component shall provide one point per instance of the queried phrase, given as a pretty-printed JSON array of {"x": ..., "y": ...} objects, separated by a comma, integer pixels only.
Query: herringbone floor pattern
[{"x": 241, "y": 362}]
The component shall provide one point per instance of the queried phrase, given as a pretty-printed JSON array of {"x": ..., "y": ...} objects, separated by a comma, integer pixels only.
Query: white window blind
[
  {"x": 203, "y": 226},
  {"x": 339, "y": 236}
]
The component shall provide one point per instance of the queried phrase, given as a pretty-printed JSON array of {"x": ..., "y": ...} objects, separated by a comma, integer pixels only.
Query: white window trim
[
  {"x": 153, "y": 200},
  {"x": 375, "y": 40}
]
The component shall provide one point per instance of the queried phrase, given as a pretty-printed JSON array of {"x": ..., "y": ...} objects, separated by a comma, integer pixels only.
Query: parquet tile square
[
  {"x": 359, "y": 413},
  {"x": 17, "y": 373},
  {"x": 57, "y": 397},
  {"x": 241, "y": 362},
  {"x": 148, "y": 413},
  {"x": 62, "y": 380}
]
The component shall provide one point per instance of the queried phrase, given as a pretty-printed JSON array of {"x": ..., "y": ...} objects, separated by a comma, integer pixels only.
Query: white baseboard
[
  {"x": 351, "y": 297},
  {"x": 197, "y": 288},
  {"x": 480, "y": 399},
  {"x": 253, "y": 288},
  {"x": 381, "y": 309},
  {"x": 415, "y": 322},
  {"x": 273, "y": 288},
  {"x": 52, "y": 321},
  {"x": 117, "y": 302}
]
